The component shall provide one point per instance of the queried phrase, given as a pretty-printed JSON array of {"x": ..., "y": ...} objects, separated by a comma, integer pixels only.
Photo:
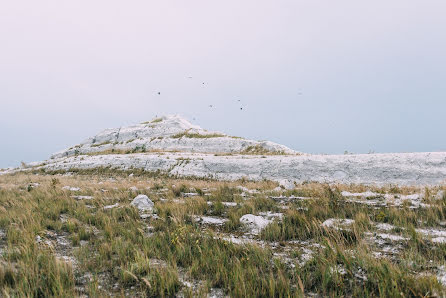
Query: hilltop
[{"x": 170, "y": 134}]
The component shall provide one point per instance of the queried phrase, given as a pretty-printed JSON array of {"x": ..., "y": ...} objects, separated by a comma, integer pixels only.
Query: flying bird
[{"x": 159, "y": 93}]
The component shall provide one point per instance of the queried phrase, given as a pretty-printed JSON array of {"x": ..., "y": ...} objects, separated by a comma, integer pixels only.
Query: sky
[{"x": 317, "y": 76}]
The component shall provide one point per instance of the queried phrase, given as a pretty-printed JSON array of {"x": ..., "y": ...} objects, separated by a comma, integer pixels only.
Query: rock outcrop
[
  {"x": 174, "y": 146},
  {"x": 170, "y": 134}
]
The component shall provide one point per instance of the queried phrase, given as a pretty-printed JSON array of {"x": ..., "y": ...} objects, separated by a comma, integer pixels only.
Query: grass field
[{"x": 61, "y": 241}]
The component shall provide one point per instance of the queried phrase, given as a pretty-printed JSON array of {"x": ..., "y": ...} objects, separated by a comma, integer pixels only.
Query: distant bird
[
  {"x": 241, "y": 108},
  {"x": 210, "y": 106},
  {"x": 189, "y": 77},
  {"x": 238, "y": 99},
  {"x": 159, "y": 93},
  {"x": 203, "y": 83}
]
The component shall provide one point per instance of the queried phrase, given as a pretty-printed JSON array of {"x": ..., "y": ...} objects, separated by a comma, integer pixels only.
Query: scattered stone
[
  {"x": 378, "y": 199},
  {"x": 226, "y": 204},
  {"x": 338, "y": 269},
  {"x": 71, "y": 188},
  {"x": 385, "y": 226},
  {"x": 208, "y": 220},
  {"x": 285, "y": 199},
  {"x": 247, "y": 190},
  {"x": 365, "y": 195},
  {"x": 189, "y": 194},
  {"x": 271, "y": 215},
  {"x": 240, "y": 240},
  {"x": 145, "y": 216},
  {"x": 437, "y": 236},
  {"x": 111, "y": 206},
  {"x": 157, "y": 263},
  {"x": 391, "y": 237},
  {"x": 216, "y": 293},
  {"x": 254, "y": 223},
  {"x": 307, "y": 255},
  {"x": 441, "y": 275},
  {"x": 82, "y": 197},
  {"x": 439, "y": 240},
  {"x": 360, "y": 274},
  {"x": 338, "y": 224},
  {"x": 229, "y": 204},
  {"x": 143, "y": 203}
]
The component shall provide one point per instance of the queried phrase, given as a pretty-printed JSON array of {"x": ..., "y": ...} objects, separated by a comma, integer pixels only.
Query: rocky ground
[{"x": 135, "y": 234}]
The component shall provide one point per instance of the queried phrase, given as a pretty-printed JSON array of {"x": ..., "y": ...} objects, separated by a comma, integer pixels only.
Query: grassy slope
[{"x": 113, "y": 252}]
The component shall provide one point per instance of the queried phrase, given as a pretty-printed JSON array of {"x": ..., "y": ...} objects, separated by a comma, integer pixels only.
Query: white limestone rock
[
  {"x": 254, "y": 223},
  {"x": 70, "y": 188},
  {"x": 170, "y": 133},
  {"x": 143, "y": 203},
  {"x": 176, "y": 147}
]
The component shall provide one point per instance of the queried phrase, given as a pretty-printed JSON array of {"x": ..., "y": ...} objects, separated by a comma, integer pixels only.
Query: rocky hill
[
  {"x": 174, "y": 146},
  {"x": 170, "y": 134}
]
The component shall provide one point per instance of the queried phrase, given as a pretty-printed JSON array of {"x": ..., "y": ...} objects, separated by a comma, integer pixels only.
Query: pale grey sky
[{"x": 317, "y": 76}]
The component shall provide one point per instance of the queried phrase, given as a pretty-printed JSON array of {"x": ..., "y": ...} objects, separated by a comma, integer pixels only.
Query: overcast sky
[{"x": 317, "y": 76}]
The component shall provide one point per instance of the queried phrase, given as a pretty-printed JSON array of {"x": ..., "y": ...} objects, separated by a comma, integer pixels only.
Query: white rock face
[
  {"x": 380, "y": 169},
  {"x": 254, "y": 223},
  {"x": 168, "y": 133},
  {"x": 143, "y": 203},
  {"x": 184, "y": 150}
]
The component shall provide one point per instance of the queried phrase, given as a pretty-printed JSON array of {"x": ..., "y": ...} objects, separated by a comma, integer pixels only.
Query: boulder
[
  {"x": 143, "y": 203},
  {"x": 254, "y": 223}
]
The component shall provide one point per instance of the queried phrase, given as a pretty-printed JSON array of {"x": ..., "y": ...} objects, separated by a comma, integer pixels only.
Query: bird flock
[{"x": 211, "y": 105}]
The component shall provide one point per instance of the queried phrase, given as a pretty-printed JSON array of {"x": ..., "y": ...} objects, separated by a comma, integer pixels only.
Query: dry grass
[{"x": 116, "y": 252}]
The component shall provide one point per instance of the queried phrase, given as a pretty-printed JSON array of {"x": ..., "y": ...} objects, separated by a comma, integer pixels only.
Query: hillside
[
  {"x": 170, "y": 134},
  {"x": 173, "y": 146}
]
